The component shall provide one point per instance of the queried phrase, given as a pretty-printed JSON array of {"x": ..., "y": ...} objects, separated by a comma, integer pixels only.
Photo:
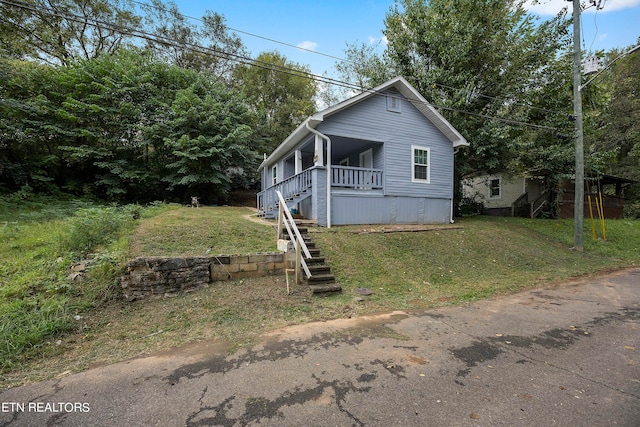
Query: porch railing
[
  {"x": 358, "y": 178},
  {"x": 290, "y": 187}
]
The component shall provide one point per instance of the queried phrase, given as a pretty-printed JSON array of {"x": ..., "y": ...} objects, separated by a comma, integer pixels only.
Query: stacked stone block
[{"x": 148, "y": 277}]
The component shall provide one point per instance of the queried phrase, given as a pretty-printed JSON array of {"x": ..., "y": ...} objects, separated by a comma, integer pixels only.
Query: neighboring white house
[
  {"x": 503, "y": 195},
  {"x": 385, "y": 156}
]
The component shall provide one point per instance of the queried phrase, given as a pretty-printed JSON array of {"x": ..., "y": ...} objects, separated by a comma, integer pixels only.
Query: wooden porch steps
[
  {"x": 294, "y": 199},
  {"x": 322, "y": 281}
]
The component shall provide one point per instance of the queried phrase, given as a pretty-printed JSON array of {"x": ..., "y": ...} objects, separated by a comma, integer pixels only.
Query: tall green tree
[
  {"x": 207, "y": 45},
  {"x": 475, "y": 60},
  {"x": 618, "y": 126},
  {"x": 122, "y": 127},
  {"x": 59, "y": 32},
  {"x": 209, "y": 138},
  {"x": 29, "y": 156},
  {"x": 279, "y": 90}
]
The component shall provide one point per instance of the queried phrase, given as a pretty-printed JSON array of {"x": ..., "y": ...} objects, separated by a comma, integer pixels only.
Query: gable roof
[{"x": 401, "y": 85}]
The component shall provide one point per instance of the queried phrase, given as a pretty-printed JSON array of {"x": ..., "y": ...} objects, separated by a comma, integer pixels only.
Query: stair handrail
[
  {"x": 520, "y": 201},
  {"x": 293, "y": 232},
  {"x": 539, "y": 202}
]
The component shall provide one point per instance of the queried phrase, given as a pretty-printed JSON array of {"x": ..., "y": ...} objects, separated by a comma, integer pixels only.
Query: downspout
[
  {"x": 328, "y": 160},
  {"x": 451, "y": 221}
]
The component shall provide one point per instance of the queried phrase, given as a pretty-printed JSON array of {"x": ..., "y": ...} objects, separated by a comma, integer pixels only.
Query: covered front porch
[{"x": 303, "y": 177}]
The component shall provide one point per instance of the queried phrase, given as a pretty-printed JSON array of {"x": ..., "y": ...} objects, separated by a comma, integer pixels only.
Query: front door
[
  {"x": 366, "y": 162},
  {"x": 366, "y": 159}
]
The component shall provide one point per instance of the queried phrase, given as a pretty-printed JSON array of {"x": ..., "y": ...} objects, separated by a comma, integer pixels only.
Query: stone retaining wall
[{"x": 161, "y": 276}]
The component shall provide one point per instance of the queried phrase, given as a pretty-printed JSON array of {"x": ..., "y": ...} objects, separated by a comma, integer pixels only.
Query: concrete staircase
[{"x": 322, "y": 281}]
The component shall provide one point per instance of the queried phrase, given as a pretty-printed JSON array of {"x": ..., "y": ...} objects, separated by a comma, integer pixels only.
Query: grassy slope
[
  {"x": 485, "y": 256},
  {"x": 191, "y": 231}
]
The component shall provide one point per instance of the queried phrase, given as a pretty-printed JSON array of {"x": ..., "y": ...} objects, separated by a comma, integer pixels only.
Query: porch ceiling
[{"x": 341, "y": 147}]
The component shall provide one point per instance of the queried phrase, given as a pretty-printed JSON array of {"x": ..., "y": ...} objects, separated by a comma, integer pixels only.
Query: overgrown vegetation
[
  {"x": 52, "y": 323},
  {"x": 60, "y": 259}
]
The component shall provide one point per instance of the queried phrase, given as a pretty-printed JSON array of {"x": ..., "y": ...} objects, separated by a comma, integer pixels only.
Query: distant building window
[
  {"x": 420, "y": 158},
  {"x": 274, "y": 177},
  {"x": 394, "y": 104},
  {"x": 495, "y": 188}
]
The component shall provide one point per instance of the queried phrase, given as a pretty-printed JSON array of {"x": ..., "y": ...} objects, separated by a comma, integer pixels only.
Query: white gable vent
[{"x": 394, "y": 103}]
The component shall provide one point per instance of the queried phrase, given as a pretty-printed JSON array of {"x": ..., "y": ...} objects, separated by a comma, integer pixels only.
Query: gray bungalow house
[{"x": 385, "y": 156}]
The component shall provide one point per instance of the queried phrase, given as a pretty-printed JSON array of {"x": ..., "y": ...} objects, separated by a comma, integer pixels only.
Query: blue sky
[{"x": 327, "y": 26}]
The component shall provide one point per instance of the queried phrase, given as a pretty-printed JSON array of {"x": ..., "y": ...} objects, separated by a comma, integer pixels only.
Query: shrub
[
  {"x": 632, "y": 210},
  {"x": 90, "y": 228}
]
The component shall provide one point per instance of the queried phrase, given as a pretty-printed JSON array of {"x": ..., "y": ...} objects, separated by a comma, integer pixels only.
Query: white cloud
[
  {"x": 552, "y": 7},
  {"x": 382, "y": 40},
  {"x": 308, "y": 45}
]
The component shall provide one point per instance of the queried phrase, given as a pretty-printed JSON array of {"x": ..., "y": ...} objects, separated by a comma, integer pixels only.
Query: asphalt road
[{"x": 566, "y": 355}]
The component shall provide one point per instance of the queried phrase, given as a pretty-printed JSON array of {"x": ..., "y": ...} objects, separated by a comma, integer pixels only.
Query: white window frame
[
  {"x": 413, "y": 164},
  {"x": 274, "y": 175},
  {"x": 491, "y": 179},
  {"x": 394, "y": 104},
  {"x": 344, "y": 162}
]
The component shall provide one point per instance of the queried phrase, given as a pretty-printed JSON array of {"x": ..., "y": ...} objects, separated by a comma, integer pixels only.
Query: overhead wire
[
  {"x": 251, "y": 34},
  {"x": 315, "y": 52},
  {"x": 249, "y": 61}
]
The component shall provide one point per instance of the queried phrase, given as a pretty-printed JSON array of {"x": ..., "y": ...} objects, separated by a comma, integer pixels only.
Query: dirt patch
[{"x": 404, "y": 228}]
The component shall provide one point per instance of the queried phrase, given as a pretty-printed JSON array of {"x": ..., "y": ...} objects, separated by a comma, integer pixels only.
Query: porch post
[
  {"x": 318, "y": 156},
  {"x": 298, "y": 160}
]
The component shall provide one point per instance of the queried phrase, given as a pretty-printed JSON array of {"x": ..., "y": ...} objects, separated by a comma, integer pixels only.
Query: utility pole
[{"x": 578, "y": 206}]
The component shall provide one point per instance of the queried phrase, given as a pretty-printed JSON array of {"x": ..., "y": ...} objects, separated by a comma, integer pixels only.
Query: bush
[
  {"x": 632, "y": 210},
  {"x": 90, "y": 228},
  {"x": 470, "y": 206}
]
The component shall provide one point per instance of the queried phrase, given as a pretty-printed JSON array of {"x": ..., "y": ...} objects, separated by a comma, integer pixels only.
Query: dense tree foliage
[
  {"x": 99, "y": 99},
  {"x": 130, "y": 101},
  {"x": 61, "y": 31},
  {"x": 281, "y": 92},
  {"x": 123, "y": 126},
  {"x": 486, "y": 58}
]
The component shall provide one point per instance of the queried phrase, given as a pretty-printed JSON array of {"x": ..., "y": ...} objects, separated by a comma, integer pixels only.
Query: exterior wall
[
  {"x": 371, "y": 120},
  {"x": 511, "y": 189},
  {"x": 289, "y": 167},
  {"x": 377, "y": 150},
  {"x": 393, "y": 136},
  {"x": 353, "y": 207}
]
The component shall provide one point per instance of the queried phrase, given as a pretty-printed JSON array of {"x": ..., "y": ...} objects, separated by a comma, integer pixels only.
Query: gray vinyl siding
[
  {"x": 370, "y": 119},
  {"x": 289, "y": 168},
  {"x": 351, "y": 208}
]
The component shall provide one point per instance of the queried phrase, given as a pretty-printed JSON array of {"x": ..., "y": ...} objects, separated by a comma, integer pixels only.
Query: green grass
[
  {"x": 191, "y": 232},
  {"x": 486, "y": 256},
  {"x": 41, "y": 240}
]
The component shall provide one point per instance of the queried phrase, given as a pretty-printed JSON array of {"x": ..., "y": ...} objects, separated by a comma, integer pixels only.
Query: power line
[
  {"x": 245, "y": 60},
  {"x": 251, "y": 34},
  {"x": 481, "y": 95}
]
